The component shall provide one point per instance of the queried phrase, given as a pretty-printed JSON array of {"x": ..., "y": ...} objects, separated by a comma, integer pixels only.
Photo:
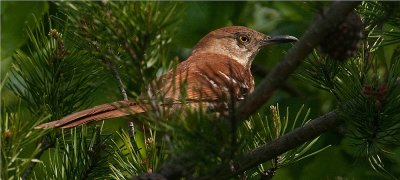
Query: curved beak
[{"x": 278, "y": 39}]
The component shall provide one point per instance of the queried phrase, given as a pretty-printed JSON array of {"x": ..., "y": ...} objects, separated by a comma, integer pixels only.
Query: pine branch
[
  {"x": 286, "y": 142},
  {"x": 264, "y": 153},
  {"x": 16, "y": 134},
  {"x": 51, "y": 79}
]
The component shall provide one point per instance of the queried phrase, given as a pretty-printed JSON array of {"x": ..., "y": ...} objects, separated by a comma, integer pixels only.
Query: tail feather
[{"x": 105, "y": 111}]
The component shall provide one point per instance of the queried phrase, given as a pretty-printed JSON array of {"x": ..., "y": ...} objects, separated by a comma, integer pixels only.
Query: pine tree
[{"x": 79, "y": 52}]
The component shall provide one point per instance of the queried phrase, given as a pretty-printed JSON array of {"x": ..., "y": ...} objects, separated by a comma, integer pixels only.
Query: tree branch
[
  {"x": 115, "y": 73},
  {"x": 285, "y": 143},
  {"x": 295, "y": 56}
]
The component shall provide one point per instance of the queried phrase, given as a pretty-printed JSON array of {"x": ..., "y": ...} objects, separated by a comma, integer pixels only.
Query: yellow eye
[{"x": 244, "y": 38}]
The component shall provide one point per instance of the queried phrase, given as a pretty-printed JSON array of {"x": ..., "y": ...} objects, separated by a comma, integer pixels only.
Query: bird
[{"x": 216, "y": 72}]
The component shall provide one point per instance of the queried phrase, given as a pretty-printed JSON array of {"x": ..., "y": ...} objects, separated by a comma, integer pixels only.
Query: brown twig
[{"x": 117, "y": 76}]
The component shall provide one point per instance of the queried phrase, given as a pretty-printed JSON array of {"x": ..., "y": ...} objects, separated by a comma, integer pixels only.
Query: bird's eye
[{"x": 244, "y": 38}]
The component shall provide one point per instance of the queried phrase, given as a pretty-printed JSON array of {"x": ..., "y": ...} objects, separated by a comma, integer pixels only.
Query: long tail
[{"x": 105, "y": 111}]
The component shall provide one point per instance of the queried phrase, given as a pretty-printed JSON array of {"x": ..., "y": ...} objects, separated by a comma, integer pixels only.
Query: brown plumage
[{"x": 218, "y": 69}]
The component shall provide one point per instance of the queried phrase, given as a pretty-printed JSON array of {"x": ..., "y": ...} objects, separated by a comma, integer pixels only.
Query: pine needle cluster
[{"x": 366, "y": 87}]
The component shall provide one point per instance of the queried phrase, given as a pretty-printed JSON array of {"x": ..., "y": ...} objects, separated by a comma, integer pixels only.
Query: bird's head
[{"x": 239, "y": 43}]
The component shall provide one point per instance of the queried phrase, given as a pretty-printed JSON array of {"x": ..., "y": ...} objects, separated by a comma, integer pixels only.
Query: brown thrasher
[{"x": 217, "y": 69}]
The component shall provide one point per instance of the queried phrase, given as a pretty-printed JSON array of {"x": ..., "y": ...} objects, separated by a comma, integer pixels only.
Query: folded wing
[{"x": 104, "y": 111}]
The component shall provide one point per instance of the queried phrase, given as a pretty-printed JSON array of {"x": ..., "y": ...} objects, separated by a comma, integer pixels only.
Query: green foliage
[
  {"x": 49, "y": 78},
  {"x": 368, "y": 100},
  {"x": 52, "y": 81},
  {"x": 17, "y": 135},
  {"x": 381, "y": 22},
  {"x": 373, "y": 108},
  {"x": 79, "y": 153},
  {"x": 133, "y": 36},
  {"x": 201, "y": 140},
  {"x": 58, "y": 71},
  {"x": 265, "y": 129},
  {"x": 129, "y": 160},
  {"x": 378, "y": 13},
  {"x": 367, "y": 91},
  {"x": 320, "y": 71}
]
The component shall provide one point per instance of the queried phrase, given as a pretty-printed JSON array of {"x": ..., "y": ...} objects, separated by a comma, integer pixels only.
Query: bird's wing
[{"x": 213, "y": 79}]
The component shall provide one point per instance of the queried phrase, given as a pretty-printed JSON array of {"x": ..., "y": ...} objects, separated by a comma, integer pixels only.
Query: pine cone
[{"x": 344, "y": 40}]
